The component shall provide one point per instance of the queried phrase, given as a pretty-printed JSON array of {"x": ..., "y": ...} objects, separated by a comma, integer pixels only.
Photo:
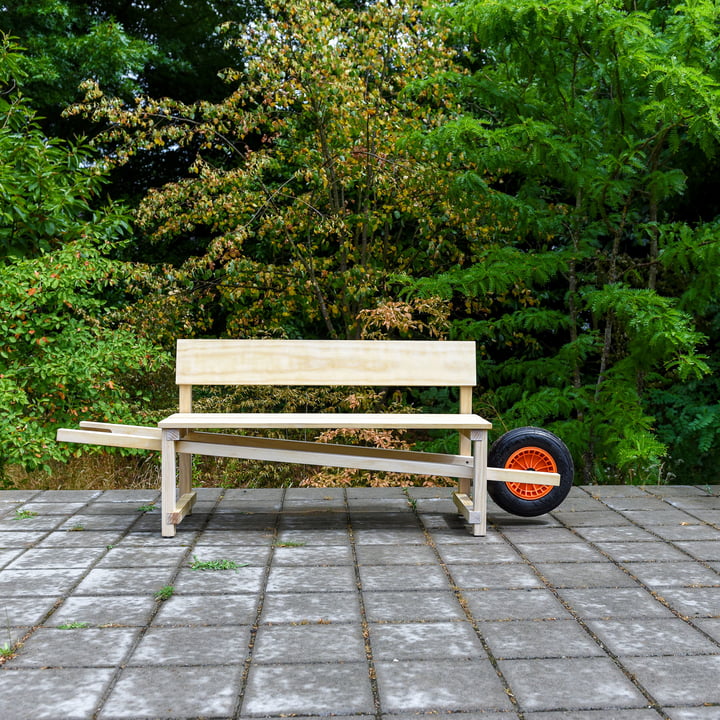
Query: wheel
[{"x": 530, "y": 448}]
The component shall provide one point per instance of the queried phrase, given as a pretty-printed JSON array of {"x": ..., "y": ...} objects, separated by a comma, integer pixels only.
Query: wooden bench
[{"x": 311, "y": 363}]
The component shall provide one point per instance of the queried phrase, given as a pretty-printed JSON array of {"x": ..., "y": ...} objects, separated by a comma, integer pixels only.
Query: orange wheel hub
[{"x": 530, "y": 458}]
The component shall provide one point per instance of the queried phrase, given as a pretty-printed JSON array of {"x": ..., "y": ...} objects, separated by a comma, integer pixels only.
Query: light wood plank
[
  {"x": 169, "y": 482},
  {"x": 183, "y": 507},
  {"x": 419, "y": 421},
  {"x": 528, "y": 477},
  {"x": 148, "y": 430},
  {"x": 109, "y": 439},
  {"x": 428, "y": 363},
  {"x": 326, "y": 454}
]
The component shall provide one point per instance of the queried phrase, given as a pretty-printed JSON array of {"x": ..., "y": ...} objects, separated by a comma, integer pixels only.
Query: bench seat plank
[{"x": 408, "y": 421}]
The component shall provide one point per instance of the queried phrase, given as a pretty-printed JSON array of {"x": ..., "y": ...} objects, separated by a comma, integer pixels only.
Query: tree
[
  {"x": 302, "y": 207},
  {"x": 582, "y": 125},
  {"x": 62, "y": 356}
]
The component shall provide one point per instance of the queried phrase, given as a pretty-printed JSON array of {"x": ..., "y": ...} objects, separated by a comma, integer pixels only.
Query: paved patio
[{"x": 365, "y": 603}]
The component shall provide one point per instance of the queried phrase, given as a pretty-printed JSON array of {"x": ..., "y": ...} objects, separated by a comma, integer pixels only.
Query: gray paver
[
  {"x": 651, "y": 637},
  {"x": 207, "y": 610},
  {"x": 351, "y": 603},
  {"x": 680, "y": 574},
  {"x": 534, "y": 639},
  {"x": 131, "y": 610},
  {"x": 403, "y": 577},
  {"x": 311, "y": 607},
  {"x": 308, "y": 689},
  {"x": 530, "y": 604},
  {"x": 494, "y": 575},
  {"x": 312, "y": 642},
  {"x": 577, "y": 683},
  {"x": 412, "y": 605},
  {"x": 164, "y": 646},
  {"x": 602, "y": 603},
  {"x": 71, "y": 694},
  {"x": 678, "y": 683},
  {"x": 174, "y": 692},
  {"x": 425, "y": 641},
  {"x": 444, "y": 685},
  {"x": 77, "y": 647}
]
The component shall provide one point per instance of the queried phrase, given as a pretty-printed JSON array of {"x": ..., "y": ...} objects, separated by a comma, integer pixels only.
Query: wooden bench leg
[
  {"x": 479, "y": 488},
  {"x": 185, "y": 473},
  {"x": 169, "y": 481}
]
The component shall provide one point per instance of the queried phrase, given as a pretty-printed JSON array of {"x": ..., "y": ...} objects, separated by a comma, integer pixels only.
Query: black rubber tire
[{"x": 514, "y": 440}]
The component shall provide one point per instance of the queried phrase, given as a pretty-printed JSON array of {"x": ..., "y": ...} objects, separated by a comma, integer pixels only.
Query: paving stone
[
  {"x": 124, "y": 581},
  {"x": 693, "y": 713},
  {"x": 233, "y": 538},
  {"x": 17, "y": 583},
  {"x": 473, "y": 554},
  {"x": 392, "y": 536},
  {"x": 487, "y": 576},
  {"x": 709, "y": 625},
  {"x": 20, "y": 538},
  {"x": 577, "y": 683},
  {"x": 313, "y": 556},
  {"x": 614, "y": 714},
  {"x": 675, "y": 574},
  {"x": 584, "y": 575},
  {"x": 7, "y": 556},
  {"x": 425, "y": 641},
  {"x": 338, "y": 578},
  {"x": 181, "y": 693},
  {"x": 543, "y": 536},
  {"x": 24, "y": 610},
  {"x": 309, "y": 643},
  {"x": 533, "y": 639},
  {"x": 691, "y": 681},
  {"x": 702, "y": 549},
  {"x": 50, "y": 508},
  {"x": 315, "y": 537},
  {"x": 412, "y": 605},
  {"x": 308, "y": 689},
  {"x": 207, "y": 610},
  {"x": 67, "y": 496},
  {"x": 624, "y": 533},
  {"x": 140, "y": 497},
  {"x": 30, "y": 524},
  {"x": 651, "y": 637},
  {"x": 84, "y": 538},
  {"x": 53, "y": 558},
  {"x": 593, "y": 518},
  {"x": 97, "y": 522},
  {"x": 563, "y": 552},
  {"x": 76, "y": 647},
  {"x": 244, "y": 556},
  {"x": 692, "y": 602},
  {"x": 687, "y": 532},
  {"x": 97, "y": 611},
  {"x": 374, "y": 554},
  {"x": 530, "y": 604},
  {"x": 164, "y": 646},
  {"x": 666, "y": 516},
  {"x": 610, "y": 603},
  {"x": 310, "y": 607},
  {"x": 308, "y": 520},
  {"x": 57, "y": 694},
  {"x": 118, "y": 557},
  {"x": 242, "y": 580},
  {"x": 403, "y": 577},
  {"x": 445, "y": 685},
  {"x": 656, "y": 551}
]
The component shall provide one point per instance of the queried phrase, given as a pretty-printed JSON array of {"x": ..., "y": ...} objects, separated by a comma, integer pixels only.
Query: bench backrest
[
  {"x": 325, "y": 362},
  {"x": 380, "y": 363}
]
